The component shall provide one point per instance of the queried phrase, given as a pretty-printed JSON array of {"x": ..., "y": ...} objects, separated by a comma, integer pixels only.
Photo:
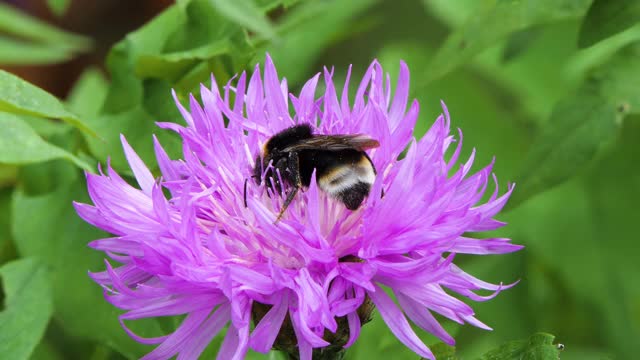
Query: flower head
[{"x": 199, "y": 251}]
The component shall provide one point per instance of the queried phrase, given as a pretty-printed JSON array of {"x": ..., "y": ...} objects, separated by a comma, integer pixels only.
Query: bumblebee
[{"x": 343, "y": 168}]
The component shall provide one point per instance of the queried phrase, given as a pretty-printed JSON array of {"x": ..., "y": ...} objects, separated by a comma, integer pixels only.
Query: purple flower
[{"x": 316, "y": 272}]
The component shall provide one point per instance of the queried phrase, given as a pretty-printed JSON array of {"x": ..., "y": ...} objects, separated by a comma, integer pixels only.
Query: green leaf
[
  {"x": 606, "y": 18},
  {"x": 28, "y": 307},
  {"x": 88, "y": 93},
  {"x": 538, "y": 347},
  {"x": 580, "y": 254},
  {"x": 268, "y": 5},
  {"x": 19, "y": 97},
  {"x": 442, "y": 351},
  {"x": 205, "y": 26},
  {"x": 172, "y": 66},
  {"x": 614, "y": 192},
  {"x": 569, "y": 228},
  {"x": 20, "y": 144},
  {"x": 495, "y": 22},
  {"x": 44, "y": 127},
  {"x": 289, "y": 3},
  {"x": 126, "y": 90},
  {"x": 59, "y": 7},
  {"x": 518, "y": 43},
  {"x": 35, "y": 42},
  {"x": 581, "y": 124},
  {"x": 18, "y": 52},
  {"x": 138, "y": 126},
  {"x": 311, "y": 26},
  {"x": 47, "y": 227},
  {"x": 586, "y": 59},
  {"x": 7, "y": 250},
  {"x": 13, "y": 21},
  {"x": 177, "y": 49},
  {"x": 451, "y": 13},
  {"x": 46, "y": 351},
  {"x": 184, "y": 41},
  {"x": 247, "y": 14}
]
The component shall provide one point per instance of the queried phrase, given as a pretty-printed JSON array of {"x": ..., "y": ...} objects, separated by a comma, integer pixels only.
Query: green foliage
[
  {"x": 246, "y": 13},
  {"x": 33, "y": 41},
  {"x": 613, "y": 188},
  {"x": 19, "y": 97},
  {"x": 518, "y": 43},
  {"x": 582, "y": 123},
  {"x": 496, "y": 21},
  {"x": 88, "y": 93},
  {"x": 606, "y": 18},
  {"x": 177, "y": 49},
  {"x": 537, "y": 347},
  {"x": 58, "y": 7},
  {"x": 548, "y": 87},
  {"x": 27, "y": 307},
  {"x": 46, "y": 227},
  {"x": 443, "y": 351},
  {"x": 20, "y": 144},
  {"x": 17, "y": 23},
  {"x": 312, "y": 26},
  {"x": 19, "y": 52}
]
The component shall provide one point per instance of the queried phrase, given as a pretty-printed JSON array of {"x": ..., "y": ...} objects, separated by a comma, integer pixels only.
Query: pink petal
[{"x": 140, "y": 170}]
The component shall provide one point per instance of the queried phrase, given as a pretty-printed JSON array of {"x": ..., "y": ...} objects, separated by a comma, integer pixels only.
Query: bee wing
[{"x": 335, "y": 143}]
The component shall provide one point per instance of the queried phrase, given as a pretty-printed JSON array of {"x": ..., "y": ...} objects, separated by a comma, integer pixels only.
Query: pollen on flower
[{"x": 307, "y": 282}]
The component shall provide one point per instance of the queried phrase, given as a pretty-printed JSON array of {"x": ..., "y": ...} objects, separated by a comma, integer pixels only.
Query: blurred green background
[{"x": 551, "y": 88}]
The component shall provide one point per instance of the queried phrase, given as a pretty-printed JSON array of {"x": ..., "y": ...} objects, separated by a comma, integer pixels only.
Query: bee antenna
[
  {"x": 245, "y": 192},
  {"x": 245, "y": 188}
]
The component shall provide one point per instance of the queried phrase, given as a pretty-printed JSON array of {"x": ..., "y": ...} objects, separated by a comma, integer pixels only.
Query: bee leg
[
  {"x": 293, "y": 167},
  {"x": 287, "y": 202},
  {"x": 278, "y": 176}
]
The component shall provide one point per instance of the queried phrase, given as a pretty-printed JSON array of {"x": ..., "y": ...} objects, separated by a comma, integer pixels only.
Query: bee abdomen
[
  {"x": 354, "y": 195},
  {"x": 349, "y": 183}
]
